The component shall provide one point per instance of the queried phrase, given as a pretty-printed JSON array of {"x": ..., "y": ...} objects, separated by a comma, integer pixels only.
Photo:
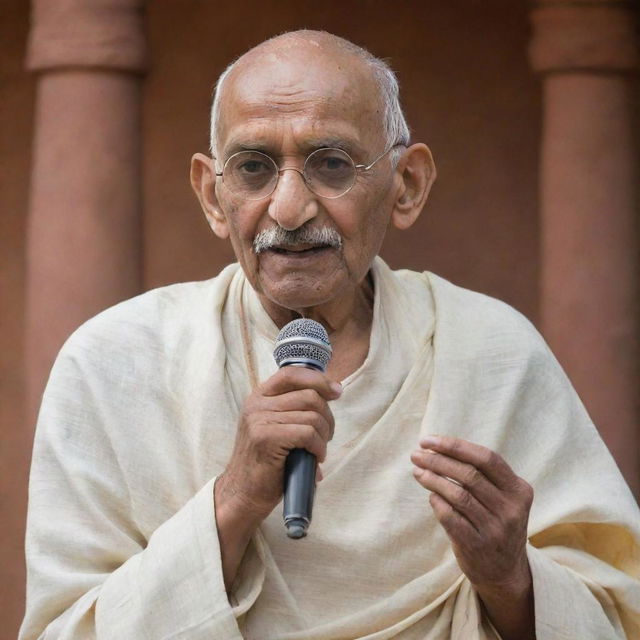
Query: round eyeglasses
[{"x": 327, "y": 172}]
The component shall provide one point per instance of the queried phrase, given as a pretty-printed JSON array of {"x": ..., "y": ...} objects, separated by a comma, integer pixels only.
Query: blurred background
[{"x": 531, "y": 110}]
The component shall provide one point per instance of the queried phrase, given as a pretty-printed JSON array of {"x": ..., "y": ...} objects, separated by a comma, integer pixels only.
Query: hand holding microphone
[{"x": 287, "y": 411}]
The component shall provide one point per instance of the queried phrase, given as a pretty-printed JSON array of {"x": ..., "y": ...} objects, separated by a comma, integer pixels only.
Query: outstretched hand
[{"x": 484, "y": 508}]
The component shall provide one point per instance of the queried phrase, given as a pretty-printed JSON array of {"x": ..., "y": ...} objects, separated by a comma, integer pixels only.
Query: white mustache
[{"x": 279, "y": 237}]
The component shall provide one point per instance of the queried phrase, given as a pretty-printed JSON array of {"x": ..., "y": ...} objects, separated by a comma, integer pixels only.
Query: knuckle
[
  {"x": 512, "y": 519},
  {"x": 471, "y": 477},
  {"x": 248, "y": 419},
  {"x": 467, "y": 500},
  {"x": 310, "y": 398},
  {"x": 330, "y": 427},
  {"x": 257, "y": 433},
  {"x": 323, "y": 428},
  {"x": 490, "y": 458},
  {"x": 305, "y": 436},
  {"x": 448, "y": 515},
  {"x": 330, "y": 419},
  {"x": 316, "y": 445},
  {"x": 307, "y": 431},
  {"x": 426, "y": 480},
  {"x": 528, "y": 493},
  {"x": 462, "y": 496}
]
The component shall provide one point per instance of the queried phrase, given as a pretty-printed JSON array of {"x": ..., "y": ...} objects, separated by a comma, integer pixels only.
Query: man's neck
[{"x": 347, "y": 319}]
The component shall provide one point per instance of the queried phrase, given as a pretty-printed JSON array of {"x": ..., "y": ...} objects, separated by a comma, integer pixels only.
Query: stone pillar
[
  {"x": 83, "y": 242},
  {"x": 587, "y": 54}
]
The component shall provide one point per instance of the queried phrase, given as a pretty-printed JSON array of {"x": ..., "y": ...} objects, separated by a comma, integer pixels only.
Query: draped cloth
[{"x": 139, "y": 417}]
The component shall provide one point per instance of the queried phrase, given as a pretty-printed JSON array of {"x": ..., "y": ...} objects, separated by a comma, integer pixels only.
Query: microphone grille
[
  {"x": 303, "y": 340},
  {"x": 304, "y": 328}
]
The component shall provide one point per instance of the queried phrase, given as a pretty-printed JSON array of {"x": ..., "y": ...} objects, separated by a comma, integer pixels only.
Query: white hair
[{"x": 394, "y": 124}]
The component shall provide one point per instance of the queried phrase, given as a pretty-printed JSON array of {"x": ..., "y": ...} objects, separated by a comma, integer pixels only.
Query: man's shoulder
[
  {"x": 475, "y": 322},
  {"x": 155, "y": 316},
  {"x": 479, "y": 322},
  {"x": 459, "y": 305},
  {"x": 463, "y": 301}
]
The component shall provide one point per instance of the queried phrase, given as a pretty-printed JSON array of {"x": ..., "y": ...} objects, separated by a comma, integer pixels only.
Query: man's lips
[{"x": 299, "y": 249}]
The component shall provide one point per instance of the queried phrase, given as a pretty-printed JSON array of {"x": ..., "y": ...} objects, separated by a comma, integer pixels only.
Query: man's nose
[{"x": 292, "y": 203}]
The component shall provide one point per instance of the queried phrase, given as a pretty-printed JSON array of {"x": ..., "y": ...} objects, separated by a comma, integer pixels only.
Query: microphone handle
[
  {"x": 299, "y": 489},
  {"x": 299, "y": 477},
  {"x": 299, "y": 481}
]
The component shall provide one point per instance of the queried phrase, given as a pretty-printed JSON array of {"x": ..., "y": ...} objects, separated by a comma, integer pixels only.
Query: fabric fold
[
  {"x": 139, "y": 418},
  {"x": 176, "y": 582},
  {"x": 565, "y": 607}
]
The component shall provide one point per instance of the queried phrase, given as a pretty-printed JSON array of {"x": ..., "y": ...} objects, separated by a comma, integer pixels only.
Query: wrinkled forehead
[{"x": 302, "y": 79}]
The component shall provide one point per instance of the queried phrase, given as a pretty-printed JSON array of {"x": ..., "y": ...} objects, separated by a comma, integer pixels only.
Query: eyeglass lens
[{"x": 329, "y": 173}]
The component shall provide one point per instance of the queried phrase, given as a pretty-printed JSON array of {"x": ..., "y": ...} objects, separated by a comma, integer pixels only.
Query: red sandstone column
[
  {"x": 83, "y": 247},
  {"x": 587, "y": 53}
]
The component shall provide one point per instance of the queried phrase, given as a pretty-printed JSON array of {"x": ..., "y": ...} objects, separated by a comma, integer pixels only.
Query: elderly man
[{"x": 160, "y": 450}]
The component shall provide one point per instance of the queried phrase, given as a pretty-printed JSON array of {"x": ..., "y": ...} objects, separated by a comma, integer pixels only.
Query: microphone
[{"x": 301, "y": 343}]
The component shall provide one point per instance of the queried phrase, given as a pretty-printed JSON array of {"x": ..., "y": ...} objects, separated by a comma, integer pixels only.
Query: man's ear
[
  {"x": 417, "y": 173},
  {"x": 203, "y": 181}
]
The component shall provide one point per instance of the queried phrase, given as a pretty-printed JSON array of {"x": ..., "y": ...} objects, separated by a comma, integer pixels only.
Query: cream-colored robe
[{"x": 139, "y": 416}]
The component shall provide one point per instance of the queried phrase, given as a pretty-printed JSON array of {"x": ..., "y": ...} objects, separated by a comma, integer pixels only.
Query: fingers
[
  {"x": 465, "y": 476},
  {"x": 492, "y": 465},
  {"x": 456, "y": 526},
  {"x": 474, "y": 480},
  {"x": 304, "y": 401},
  {"x": 317, "y": 420},
  {"x": 458, "y": 497},
  {"x": 304, "y": 436},
  {"x": 482, "y": 505},
  {"x": 289, "y": 410},
  {"x": 295, "y": 395},
  {"x": 298, "y": 378},
  {"x": 270, "y": 440}
]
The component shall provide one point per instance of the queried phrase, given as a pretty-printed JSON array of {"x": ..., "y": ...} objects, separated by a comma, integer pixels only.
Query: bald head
[
  {"x": 346, "y": 68},
  {"x": 303, "y": 116}
]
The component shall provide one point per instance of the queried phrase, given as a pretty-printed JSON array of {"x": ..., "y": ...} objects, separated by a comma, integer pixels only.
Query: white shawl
[{"x": 139, "y": 417}]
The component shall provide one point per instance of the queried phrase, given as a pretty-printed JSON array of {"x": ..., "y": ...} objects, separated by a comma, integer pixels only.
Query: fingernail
[
  {"x": 336, "y": 387},
  {"x": 417, "y": 471},
  {"x": 430, "y": 441}
]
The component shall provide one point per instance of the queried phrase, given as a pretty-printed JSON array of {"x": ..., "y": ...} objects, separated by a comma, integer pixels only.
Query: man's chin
[
  {"x": 298, "y": 292},
  {"x": 298, "y": 298},
  {"x": 300, "y": 280},
  {"x": 309, "y": 265}
]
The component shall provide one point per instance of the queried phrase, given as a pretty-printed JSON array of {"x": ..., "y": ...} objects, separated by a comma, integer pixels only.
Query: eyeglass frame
[{"x": 358, "y": 168}]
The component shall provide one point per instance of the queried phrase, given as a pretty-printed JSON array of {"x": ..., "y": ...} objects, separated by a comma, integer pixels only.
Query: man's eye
[
  {"x": 253, "y": 167},
  {"x": 334, "y": 163}
]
